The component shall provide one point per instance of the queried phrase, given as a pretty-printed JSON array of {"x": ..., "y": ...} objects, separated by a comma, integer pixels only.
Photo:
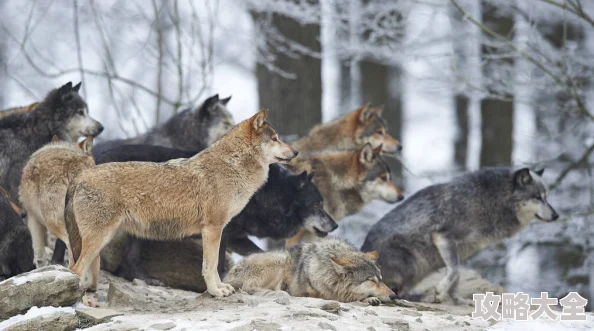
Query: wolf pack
[{"x": 170, "y": 205}]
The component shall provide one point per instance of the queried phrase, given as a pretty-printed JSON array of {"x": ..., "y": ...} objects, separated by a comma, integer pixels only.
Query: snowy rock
[
  {"x": 163, "y": 326},
  {"x": 259, "y": 325},
  {"x": 48, "y": 286},
  {"x": 45, "y": 318},
  {"x": 327, "y": 326},
  {"x": 93, "y": 316}
]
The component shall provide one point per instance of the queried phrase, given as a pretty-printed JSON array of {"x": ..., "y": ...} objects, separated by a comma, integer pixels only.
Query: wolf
[
  {"x": 189, "y": 130},
  {"x": 282, "y": 206},
  {"x": 172, "y": 200},
  {"x": 44, "y": 183},
  {"x": 446, "y": 223},
  {"x": 348, "y": 180},
  {"x": 62, "y": 113},
  {"x": 16, "y": 250},
  {"x": 328, "y": 269},
  {"x": 18, "y": 110},
  {"x": 353, "y": 130}
]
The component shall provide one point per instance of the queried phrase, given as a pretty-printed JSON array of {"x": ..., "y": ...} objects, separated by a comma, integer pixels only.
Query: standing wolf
[
  {"x": 189, "y": 130},
  {"x": 175, "y": 199},
  {"x": 445, "y": 223},
  {"x": 327, "y": 269},
  {"x": 46, "y": 177},
  {"x": 62, "y": 113}
]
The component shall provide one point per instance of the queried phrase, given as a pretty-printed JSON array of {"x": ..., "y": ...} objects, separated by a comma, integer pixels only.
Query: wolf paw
[
  {"x": 90, "y": 300},
  {"x": 219, "y": 292},
  {"x": 462, "y": 301},
  {"x": 373, "y": 301},
  {"x": 225, "y": 286},
  {"x": 154, "y": 282}
]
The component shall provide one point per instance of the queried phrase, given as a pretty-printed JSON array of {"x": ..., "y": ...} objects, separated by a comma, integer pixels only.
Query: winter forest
[{"x": 466, "y": 84}]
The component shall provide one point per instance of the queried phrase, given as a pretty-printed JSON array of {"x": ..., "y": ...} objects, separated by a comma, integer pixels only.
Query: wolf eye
[
  {"x": 81, "y": 112},
  {"x": 275, "y": 139},
  {"x": 380, "y": 132}
]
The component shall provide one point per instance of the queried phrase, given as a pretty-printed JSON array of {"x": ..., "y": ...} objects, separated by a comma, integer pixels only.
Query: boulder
[
  {"x": 53, "y": 286},
  {"x": 45, "y": 318}
]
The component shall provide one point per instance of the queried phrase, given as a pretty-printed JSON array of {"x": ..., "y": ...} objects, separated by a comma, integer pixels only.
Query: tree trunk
[
  {"x": 295, "y": 104},
  {"x": 497, "y": 115}
]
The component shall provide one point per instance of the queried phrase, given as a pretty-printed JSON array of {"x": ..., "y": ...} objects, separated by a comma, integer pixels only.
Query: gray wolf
[
  {"x": 17, "y": 110},
  {"x": 327, "y": 269},
  {"x": 282, "y": 206},
  {"x": 189, "y": 130},
  {"x": 348, "y": 180},
  {"x": 16, "y": 250},
  {"x": 44, "y": 183},
  {"x": 447, "y": 223},
  {"x": 173, "y": 200},
  {"x": 62, "y": 113},
  {"x": 353, "y": 130}
]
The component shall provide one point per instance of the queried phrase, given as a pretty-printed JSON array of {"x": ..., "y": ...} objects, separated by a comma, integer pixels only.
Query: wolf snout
[
  {"x": 393, "y": 296},
  {"x": 400, "y": 198},
  {"x": 100, "y": 128},
  {"x": 555, "y": 216}
]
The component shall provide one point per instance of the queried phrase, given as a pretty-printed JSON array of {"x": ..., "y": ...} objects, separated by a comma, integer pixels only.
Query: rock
[
  {"x": 163, "y": 326},
  {"x": 52, "y": 285},
  {"x": 45, "y": 318},
  {"x": 139, "y": 282},
  {"x": 396, "y": 323},
  {"x": 419, "y": 320},
  {"x": 259, "y": 325},
  {"x": 93, "y": 316},
  {"x": 121, "y": 295},
  {"x": 411, "y": 313},
  {"x": 331, "y": 306},
  {"x": 327, "y": 326},
  {"x": 282, "y": 301}
]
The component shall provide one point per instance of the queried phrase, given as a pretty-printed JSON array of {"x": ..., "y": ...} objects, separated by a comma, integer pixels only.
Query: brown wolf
[
  {"x": 174, "y": 199},
  {"x": 348, "y": 180},
  {"x": 327, "y": 269},
  {"x": 353, "y": 130},
  {"x": 44, "y": 183},
  {"x": 18, "y": 110}
]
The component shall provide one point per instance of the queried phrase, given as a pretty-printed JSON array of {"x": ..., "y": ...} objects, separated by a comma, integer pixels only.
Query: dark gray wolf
[
  {"x": 62, "y": 113},
  {"x": 185, "y": 197},
  {"x": 16, "y": 249},
  {"x": 447, "y": 223},
  {"x": 189, "y": 130},
  {"x": 285, "y": 204},
  {"x": 327, "y": 269}
]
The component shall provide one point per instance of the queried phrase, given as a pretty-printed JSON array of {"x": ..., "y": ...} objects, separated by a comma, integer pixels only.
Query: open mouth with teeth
[
  {"x": 539, "y": 218},
  {"x": 282, "y": 160},
  {"x": 320, "y": 233}
]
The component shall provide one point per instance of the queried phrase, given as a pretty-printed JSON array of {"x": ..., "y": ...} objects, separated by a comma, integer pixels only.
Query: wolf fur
[
  {"x": 189, "y": 130},
  {"x": 16, "y": 251},
  {"x": 175, "y": 199},
  {"x": 327, "y": 269},
  {"x": 447, "y": 223},
  {"x": 353, "y": 130},
  {"x": 17, "y": 110},
  {"x": 46, "y": 178},
  {"x": 348, "y": 180},
  {"x": 62, "y": 113}
]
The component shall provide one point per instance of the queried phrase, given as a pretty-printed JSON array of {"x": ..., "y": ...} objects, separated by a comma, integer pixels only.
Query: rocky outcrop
[
  {"x": 45, "y": 318},
  {"x": 48, "y": 286}
]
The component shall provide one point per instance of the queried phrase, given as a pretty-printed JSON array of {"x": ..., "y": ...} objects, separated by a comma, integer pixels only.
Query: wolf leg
[
  {"x": 59, "y": 251},
  {"x": 211, "y": 240},
  {"x": 222, "y": 255},
  {"x": 38, "y": 233},
  {"x": 133, "y": 262},
  {"x": 95, "y": 266},
  {"x": 448, "y": 252},
  {"x": 296, "y": 239},
  {"x": 244, "y": 246}
]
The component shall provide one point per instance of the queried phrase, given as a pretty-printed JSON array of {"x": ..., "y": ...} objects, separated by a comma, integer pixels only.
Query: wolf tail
[{"x": 71, "y": 227}]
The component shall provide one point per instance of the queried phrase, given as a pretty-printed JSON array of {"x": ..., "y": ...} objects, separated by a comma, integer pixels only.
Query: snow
[
  {"x": 33, "y": 313},
  {"x": 30, "y": 277},
  {"x": 544, "y": 325}
]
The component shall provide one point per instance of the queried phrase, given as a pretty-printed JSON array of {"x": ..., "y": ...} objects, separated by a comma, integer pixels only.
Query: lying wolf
[
  {"x": 172, "y": 200},
  {"x": 447, "y": 223},
  {"x": 17, "y": 110},
  {"x": 189, "y": 130},
  {"x": 353, "y": 130},
  {"x": 44, "y": 183},
  {"x": 16, "y": 251},
  {"x": 62, "y": 113},
  {"x": 327, "y": 269}
]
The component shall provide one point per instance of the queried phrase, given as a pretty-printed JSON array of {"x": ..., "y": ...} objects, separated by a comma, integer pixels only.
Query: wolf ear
[
  {"x": 366, "y": 154},
  {"x": 539, "y": 172},
  {"x": 364, "y": 112},
  {"x": 340, "y": 264},
  {"x": 225, "y": 101},
  {"x": 311, "y": 175},
  {"x": 76, "y": 87},
  {"x": 209, "y": 104},
  {"x": 373, "y": 255},
  {"x": 378, "y": 150},
  {"x": 378, "y": 110},
  {"x": 522, "y": 177},
  {"x": 55, "y": 139},
  {"x": 259, "y": 119},
  {"x": 87, "y": 145},
  {"x": 64, "y": 89}
]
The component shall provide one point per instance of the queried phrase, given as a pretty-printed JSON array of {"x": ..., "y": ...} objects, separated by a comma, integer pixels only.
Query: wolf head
[
  {"x": 68, "y": 113},
  {"x": 361, "y": 274},
  {"x": 371, "y": 128},
  {"x": 375, "y": 176},
  {"x": 265, "y": 140},
  {"x": 530, "y": 193},
  {"x": 214, "y": 117},
  {"x": 308, "y": 205}
]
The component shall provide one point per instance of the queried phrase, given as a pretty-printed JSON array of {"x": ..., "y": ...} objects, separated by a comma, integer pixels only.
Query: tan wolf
[
  {"x": 327, "y": 269},
  {"x": 44, "y": 183},
  {"x": 353, "y": 130},
  {"x": 18, "y": 110},
  {"x": 174, "y": 199},
  {"x": 348, "y": 180}
]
